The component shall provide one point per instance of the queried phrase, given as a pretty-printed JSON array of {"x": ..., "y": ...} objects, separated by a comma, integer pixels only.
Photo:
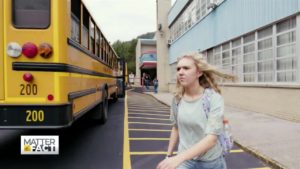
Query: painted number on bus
[
  {"x": 28, "y": 89},
  {"x": 35, "y": 116}
]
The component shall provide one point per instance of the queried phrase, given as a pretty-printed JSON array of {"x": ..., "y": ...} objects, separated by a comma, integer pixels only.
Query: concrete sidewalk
[{"x": 275, "y": 141}]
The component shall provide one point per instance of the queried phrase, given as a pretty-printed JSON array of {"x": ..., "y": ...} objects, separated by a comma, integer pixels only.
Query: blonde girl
[{"x": 197, "y": 133}]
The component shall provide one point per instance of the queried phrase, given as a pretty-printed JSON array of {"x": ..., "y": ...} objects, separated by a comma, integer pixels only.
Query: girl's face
[{"x": 187, "y": 72}]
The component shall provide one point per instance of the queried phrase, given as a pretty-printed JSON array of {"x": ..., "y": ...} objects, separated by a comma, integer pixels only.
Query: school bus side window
[
  {"x": 101, "y": 45},
  {"x": 92, "y": 36},
  {"x": 24, "y": 14},
  {"x": 104, "y": 50},
  {"x": 97, "y": 47},
  {"x": 85, "y": 28},
  {"x": 75, "y": 15},
  {"x": 106, "y": 53}
]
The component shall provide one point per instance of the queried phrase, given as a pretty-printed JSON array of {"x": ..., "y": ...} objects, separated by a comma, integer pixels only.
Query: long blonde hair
[{"x": 207, "y": 80}]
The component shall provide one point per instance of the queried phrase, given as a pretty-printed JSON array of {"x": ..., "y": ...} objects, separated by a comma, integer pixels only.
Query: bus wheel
[
  {"x": 114, "y": 97},
  {"x": 104, "y": 108},
  {"x": 99, "y": 113}
]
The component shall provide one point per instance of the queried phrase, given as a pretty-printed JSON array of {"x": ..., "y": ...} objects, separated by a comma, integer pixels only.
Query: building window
[
  {"x": 226, "y": 62},
  {"x": 203, "y": 8},
  {"x": 217, "y": 57},
  {"x": 198, "y": 10},
  {"x": 286, "y": 59},
  {"x": 249, "y": 58},
  {"x": 236, "y": 52},
  {"x": 192, "y": 14},
  {"x": 265, "y": 56},
  {"x": 210, "y": 56},
  {"x": 265, "y": 60}
]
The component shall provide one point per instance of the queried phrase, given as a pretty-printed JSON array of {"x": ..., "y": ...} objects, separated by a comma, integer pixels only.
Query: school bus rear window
[{"x": 32, "y": 14}]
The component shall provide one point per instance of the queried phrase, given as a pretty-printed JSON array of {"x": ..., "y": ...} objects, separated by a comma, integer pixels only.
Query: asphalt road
[
  {"x": 85, "y": 145},
  {"x": 149, "y": 130}
]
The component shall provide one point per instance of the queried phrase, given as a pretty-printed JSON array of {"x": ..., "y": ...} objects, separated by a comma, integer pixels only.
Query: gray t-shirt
[{"x": 193, "y": 125}]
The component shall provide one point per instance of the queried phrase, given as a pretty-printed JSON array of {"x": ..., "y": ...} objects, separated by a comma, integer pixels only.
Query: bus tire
[
  {"x": 104, "y": 108},
  {"x": 114, "y": 97},
  {"x": 99, "y": 113}
]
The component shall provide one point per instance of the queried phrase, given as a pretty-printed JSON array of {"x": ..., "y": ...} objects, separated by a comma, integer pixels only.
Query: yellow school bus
[{"x": 55, "y": 64}]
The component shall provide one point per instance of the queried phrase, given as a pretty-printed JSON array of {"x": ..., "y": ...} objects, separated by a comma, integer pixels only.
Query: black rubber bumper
[{"x": 35, "y": 116}]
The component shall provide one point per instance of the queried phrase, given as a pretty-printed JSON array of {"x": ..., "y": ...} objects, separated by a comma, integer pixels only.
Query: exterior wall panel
[
  {"x": 279, "y": 102},
  {"x": 230, "y": 19}
]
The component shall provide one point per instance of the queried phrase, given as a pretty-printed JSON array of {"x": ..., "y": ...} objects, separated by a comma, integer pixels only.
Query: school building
[
  {"x": 256, "y": 40},
  {"x": 146, "y": 59}
]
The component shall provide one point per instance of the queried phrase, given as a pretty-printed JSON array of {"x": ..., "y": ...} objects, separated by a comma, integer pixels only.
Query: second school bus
[{"x": 55, "y": 64}]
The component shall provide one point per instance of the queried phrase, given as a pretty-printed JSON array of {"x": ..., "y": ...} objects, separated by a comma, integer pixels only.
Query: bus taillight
[
  {"x": 45, "y": 50},
  {"x": 29, "y": 50},
  {"x": 50, "y": 97},
  {"x": 28, "y": 77},
  {"x": 14, "y": 49}
]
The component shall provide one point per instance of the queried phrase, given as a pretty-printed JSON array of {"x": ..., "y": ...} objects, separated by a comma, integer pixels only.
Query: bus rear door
[{"x": 1, "y": 52}]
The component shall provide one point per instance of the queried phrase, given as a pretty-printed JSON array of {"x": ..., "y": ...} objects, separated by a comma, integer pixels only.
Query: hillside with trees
[{"x": 126, "y": 49}]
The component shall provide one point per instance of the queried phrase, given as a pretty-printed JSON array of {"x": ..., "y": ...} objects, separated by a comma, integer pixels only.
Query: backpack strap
[
  {"x": 175, "y": 104},
  {"x": 206, "y": 100}
]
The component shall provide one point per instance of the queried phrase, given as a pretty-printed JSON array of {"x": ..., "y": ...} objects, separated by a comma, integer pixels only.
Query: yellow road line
[
  {"x": 150, "y": 153},
  {"x": 149, "y": 139},
  {"x": 236, "y": 151},
  {"x": 150, "y": 114},
  {"x": 126, "y": 151},
  {"x": 139, "y": 106},
  {"x": 143, "y": 107},
  {"x": 163, "y": 124},
  {"x": 148, "y": 110},
  {"x": 164, "y": 153},
  {"x": 149, "y": 130},
  {"x": 148, "y": 118}
]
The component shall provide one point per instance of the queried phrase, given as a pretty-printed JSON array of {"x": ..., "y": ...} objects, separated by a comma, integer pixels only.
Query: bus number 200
[
  {"x": 35, "y": 116},
  {"x": 28, "y": 89}
]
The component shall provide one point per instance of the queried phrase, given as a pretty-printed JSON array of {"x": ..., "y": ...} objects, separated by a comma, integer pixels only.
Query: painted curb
[{"x": 272, "y": 163}]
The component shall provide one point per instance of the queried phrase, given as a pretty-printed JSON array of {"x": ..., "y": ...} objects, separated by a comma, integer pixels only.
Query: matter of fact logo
[
  {"x": 44, "y": 145},
  {"x": 27, "y": 147}
]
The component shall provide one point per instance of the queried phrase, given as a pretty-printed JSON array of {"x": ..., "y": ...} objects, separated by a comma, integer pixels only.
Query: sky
[{"x": 123, "y": 19}]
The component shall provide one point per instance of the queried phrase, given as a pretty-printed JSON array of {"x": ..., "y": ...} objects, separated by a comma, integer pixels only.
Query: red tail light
[
  {"x": 50, "y": 97},
  {"x": 30, "y": 50},
  {"x": 28, "y": 77}
]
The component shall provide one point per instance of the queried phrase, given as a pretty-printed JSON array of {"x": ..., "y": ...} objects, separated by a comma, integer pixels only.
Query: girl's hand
[{"x": 169, "y": 163}]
